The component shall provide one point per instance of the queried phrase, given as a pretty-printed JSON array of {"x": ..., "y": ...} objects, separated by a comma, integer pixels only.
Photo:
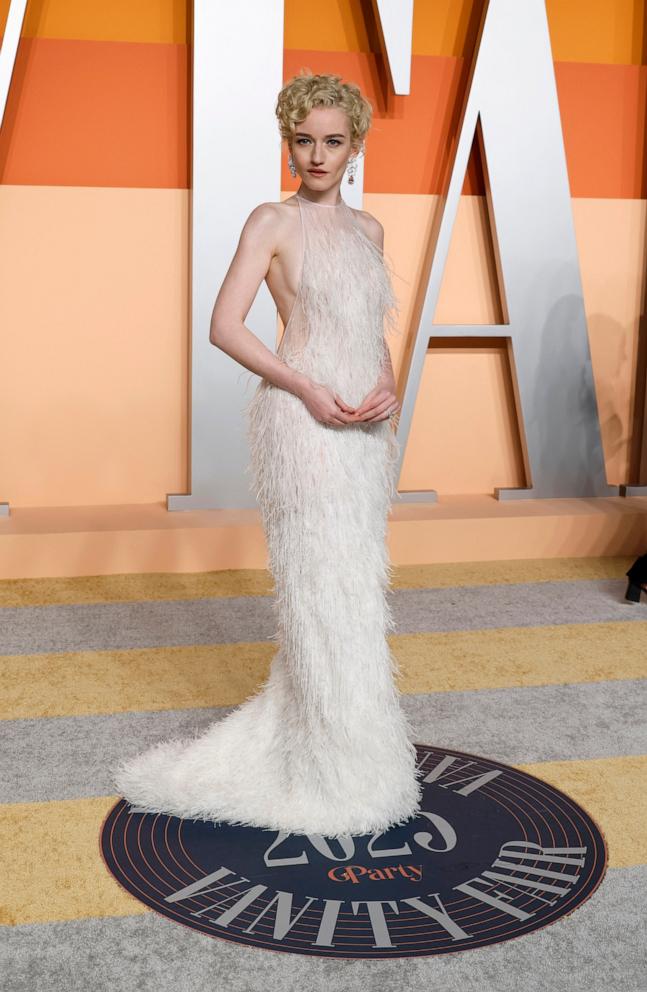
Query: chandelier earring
[
  {"x": 351, "y": 167},
  {"x": 291, "y": 166}
]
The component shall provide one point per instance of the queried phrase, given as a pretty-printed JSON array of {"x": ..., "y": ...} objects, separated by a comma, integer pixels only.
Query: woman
[{"x": 323, "y": 747}]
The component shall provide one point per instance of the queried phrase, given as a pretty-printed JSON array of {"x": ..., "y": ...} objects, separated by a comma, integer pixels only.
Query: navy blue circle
[{"x": 493, "y": 854}]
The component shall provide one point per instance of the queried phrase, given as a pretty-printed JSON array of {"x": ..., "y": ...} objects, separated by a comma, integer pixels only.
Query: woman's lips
[{"x": 316, "y": 172}]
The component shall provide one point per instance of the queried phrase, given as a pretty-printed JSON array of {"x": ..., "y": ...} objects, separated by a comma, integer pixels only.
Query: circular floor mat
[{"x": 493, "y": 854}]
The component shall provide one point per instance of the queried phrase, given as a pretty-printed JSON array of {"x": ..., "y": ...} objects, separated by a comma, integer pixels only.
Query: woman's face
[{"x": 322, "y": 142}]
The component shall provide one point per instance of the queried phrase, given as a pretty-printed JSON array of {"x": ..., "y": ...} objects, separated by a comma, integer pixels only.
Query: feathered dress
[{"x": 323, "y": 746}]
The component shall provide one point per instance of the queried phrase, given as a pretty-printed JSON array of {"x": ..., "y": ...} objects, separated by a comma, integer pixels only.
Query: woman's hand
[
  {"x": 325, "y": 405},
  {"x": 379, "y": 404},
  {"x": 382, "y": 401}
]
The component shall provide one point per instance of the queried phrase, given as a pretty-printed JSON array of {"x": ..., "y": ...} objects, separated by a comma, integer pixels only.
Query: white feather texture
[{"x": 323, "y": 746}]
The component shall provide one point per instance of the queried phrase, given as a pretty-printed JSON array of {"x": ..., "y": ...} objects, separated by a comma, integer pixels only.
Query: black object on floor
[{"x": 637, "y": 580}]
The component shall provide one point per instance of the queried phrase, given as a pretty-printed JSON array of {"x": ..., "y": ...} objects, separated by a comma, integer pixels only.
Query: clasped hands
[{"x": 328, "y": 407}]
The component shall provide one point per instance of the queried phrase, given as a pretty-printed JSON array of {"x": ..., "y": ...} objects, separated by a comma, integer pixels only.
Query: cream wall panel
[
  {"x": 93, "y": 369},
  {"x": 94, "y": 318}
]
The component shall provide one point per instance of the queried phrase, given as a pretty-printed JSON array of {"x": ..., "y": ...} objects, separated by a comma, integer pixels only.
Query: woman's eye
[{"x": 334, "y": 141}]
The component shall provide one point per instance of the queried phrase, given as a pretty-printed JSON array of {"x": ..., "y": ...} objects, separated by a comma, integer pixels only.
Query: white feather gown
[{"x": 323, "y": 746}]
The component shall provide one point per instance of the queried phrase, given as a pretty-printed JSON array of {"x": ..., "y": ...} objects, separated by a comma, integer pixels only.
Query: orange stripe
[
  {"x": 408, "y": 148},
  {"x": 96, "y": 114},
  {"x": 119, "y": 20},
  {"x": 115, "y": 114},
  {"x": 608, "y": 31},
  {"x": 603, "y": 119}
]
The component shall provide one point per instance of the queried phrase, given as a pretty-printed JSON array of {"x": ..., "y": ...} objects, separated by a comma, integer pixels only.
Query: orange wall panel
[
  {"x": 611, "y": 31},
  {"x": 116, "y": 114},
  {"x": 96, "y": 114}
]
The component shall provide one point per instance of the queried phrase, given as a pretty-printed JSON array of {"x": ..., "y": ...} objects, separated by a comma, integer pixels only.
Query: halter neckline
[{"x": 304, "y": 199}]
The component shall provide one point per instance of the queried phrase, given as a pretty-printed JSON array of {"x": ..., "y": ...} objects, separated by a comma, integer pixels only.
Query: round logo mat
[{"x": 494, "y": 853}]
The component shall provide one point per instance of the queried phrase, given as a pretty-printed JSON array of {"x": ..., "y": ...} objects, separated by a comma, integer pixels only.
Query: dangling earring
[
  {"x": 291, "y": 165},
  {"x": 351, "y": 168}
]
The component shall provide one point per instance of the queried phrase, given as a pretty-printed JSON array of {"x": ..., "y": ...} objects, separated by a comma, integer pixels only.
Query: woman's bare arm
[
  {"x": 256, "y": 247},
  {"x": 248, "y": 268}
]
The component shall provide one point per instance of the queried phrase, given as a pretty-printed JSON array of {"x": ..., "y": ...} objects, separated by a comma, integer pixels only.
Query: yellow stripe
[
  {"x": 134, "y": 587},
  {"x": 53, "y": 869},
  {"x": 522, "y": 656},
  {"x": 486, "y": 573},
  {"x": 52, "y": 865},
  {"x": 92, "y": 682},
  {"x": 258, "y": 582},
  {"x": 73, "y": 684},
  {"x": 614, "y": 792}
]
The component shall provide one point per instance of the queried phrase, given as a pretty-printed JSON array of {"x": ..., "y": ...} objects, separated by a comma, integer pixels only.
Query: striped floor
[{"x": 540, "y": 664}]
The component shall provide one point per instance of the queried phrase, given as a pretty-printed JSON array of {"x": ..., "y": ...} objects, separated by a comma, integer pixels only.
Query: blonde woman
[{"x": 323, "y": 746}]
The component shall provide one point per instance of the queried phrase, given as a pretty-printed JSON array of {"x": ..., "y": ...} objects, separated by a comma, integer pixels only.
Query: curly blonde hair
[{"x": 308, "y": 90}]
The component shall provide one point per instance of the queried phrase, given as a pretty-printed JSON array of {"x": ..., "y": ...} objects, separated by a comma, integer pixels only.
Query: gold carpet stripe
[
  {"x": 614, "y": 792},
  {"x": 504, "y": 657},
  {"x": 53, "y": 869},
  {"x": 52, "y": 865},
  {"x": 258, "y": 582},
  {"x": 91, "y": 682},
  {"x": 485, "y": 573},
  {"x": 98, "y": 682}
]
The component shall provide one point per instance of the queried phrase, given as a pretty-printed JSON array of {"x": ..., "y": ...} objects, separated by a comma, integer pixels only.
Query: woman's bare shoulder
[
  {"x": 273, "y": 215},
  {"x": 371, "y": 226},
  {"x": 270, "y": 221},
  {"x": 274, "y": 210}
]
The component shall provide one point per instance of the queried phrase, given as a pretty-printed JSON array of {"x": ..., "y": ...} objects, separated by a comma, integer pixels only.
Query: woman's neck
[{"x": 318, "y": 203}]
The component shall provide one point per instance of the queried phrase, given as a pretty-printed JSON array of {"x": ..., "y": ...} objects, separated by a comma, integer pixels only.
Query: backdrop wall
[{"x": 94, "y": 214}]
